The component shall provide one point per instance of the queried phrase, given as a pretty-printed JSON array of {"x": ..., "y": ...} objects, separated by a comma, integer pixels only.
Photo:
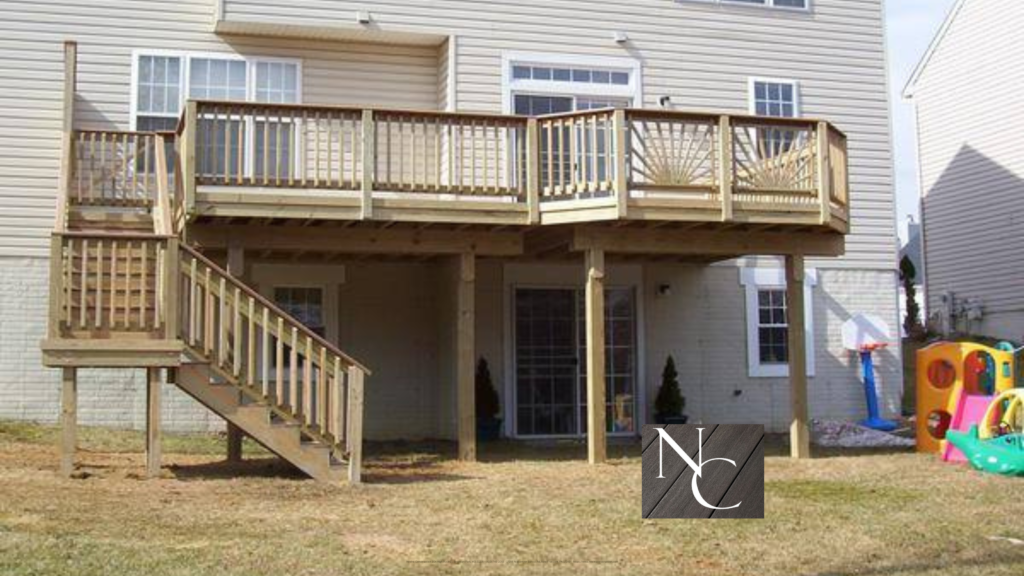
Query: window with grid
[
  {"x": 158, "y": 92},
  {"x": 776, "y": 99},
  {"x": 305, "y": 304},
  {"x": 772, "y": 328},
  {"x": 790, "y": 4}
]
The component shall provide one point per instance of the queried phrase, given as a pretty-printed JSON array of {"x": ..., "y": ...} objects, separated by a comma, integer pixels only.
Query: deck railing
[
  {"x": 733, "y": 163},
  {"x": 272, "y": 355}
]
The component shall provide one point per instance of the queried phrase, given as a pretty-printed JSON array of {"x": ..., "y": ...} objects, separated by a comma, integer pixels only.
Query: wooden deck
[{"x": 306, "y": 162}]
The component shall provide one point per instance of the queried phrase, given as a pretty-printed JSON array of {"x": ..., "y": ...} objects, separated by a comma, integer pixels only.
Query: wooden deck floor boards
[{"x": 673, "y": 497}]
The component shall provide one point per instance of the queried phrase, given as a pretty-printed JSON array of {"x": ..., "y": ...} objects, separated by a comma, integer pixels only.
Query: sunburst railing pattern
[
  {"x": 673, "y": 153},
  {"x": 774, "y": 161}
]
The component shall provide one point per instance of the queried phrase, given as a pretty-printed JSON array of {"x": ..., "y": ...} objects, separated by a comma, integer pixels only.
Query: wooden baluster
[
  {"x": 487, "y": 156},
  {"x": 330, "y": 150},
  {"x": 237, "y": 335},
  {"x": 335, "y": 418},
  {"x": 208, "y": 317},
  {"x": 222, "y": 325},
  {"x": 437, "y": 154},
  {"x": 307, "y": 382},
  {"x": 192, "y": 306},
  {"x": 316, "y": 151},
  {"x": 321, "y": 393},
  {"x": 129, "y": 261},
  {"x": 240, "y": 158},
  {"x": 472, "y": 156},
  {"x": 67, "y": 275},
  {"x": 103, "y": 165},
  {"x": 250, "y": 365},
  {"x": 144, "y": 284},
  {"x": 303, "y": 148},
  {"x": 278, "y": 128},
  {"x": 84, "y": 288},
  {"x": 279, "y": 364},
  {"x": 99, "y": 285},
  {"x": 113, "y": 284},
  {"x": 412, "y": 152},
  {"x": 266, "y": 352},
  {"x": 227, "y": 146},
  {"x": 293, "y": 373},
  {"x": 593, "y": 182},
  {"x": 266, "y": 146},
  {"x": 146, "y": 165},
  {"x": 130, "y": 193}
]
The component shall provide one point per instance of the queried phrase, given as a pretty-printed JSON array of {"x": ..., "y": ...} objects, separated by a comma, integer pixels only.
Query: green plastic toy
[{"x": 1001, "y": 455}]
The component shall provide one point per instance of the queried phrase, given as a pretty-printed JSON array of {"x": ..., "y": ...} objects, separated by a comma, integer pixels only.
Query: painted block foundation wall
[{"x": 411, "y": 395}]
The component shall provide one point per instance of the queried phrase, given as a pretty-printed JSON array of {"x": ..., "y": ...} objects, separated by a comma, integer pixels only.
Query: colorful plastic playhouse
[{"x": 956, "y": 383}]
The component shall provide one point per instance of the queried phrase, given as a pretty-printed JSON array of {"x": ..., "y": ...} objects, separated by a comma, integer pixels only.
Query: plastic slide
[{"x": 970, "y": 410}]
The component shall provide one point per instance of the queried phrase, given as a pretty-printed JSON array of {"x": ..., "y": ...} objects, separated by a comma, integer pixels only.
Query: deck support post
[
  {"x": 153, "y": 454},
  {"x": 725, "y": 167},
  {"x": 533, "y": 171},
  {"x": 597, "y": 449},
  {"x": 354, "y": 433},
  {"x": 68, "y": 420},
  {"x": 799, "y": 436},
  {"x": 824, "y": 171},
  {"x": 236, "y": 267},
  {"x": 465, "y": 354},
  {"x": 369, "y": 161}
]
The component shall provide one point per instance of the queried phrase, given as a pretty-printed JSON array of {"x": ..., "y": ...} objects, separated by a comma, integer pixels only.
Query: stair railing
[{"x": 273, "y": 357}]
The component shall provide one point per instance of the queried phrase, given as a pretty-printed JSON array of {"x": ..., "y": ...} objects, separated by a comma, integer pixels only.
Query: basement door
[{"x": 550, "y": 362}]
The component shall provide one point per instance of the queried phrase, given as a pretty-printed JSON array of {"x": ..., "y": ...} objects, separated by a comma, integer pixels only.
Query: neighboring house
[
  {"x": 967, "y": 96},
  {"x": 468, "y": 239}
]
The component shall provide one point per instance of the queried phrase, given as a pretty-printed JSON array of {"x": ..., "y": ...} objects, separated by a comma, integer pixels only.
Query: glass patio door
[{"x": 550, "y": 371}]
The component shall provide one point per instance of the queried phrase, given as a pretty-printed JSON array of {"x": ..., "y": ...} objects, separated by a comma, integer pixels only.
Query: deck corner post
[
  {"x": 824, "y": 171},
  {"x": 68, "y": 420},
  {"x": 57, "y": 287},
  {"x": 799, "y": 435},
  {"x": 369, "y": 161},
  {"x": 153, "y": 451},
  {"x": 725, "y": 166},
  {"x": 354, "y": 433},
  {"x": 621, "y": 162},
  {"x": 597, "y": 449},
  {"x": 465, "y": 353},
  {"x": 67, "y": 133},
  {"x": 188, "y": 157},
  {"x": 533, "y": 171}
]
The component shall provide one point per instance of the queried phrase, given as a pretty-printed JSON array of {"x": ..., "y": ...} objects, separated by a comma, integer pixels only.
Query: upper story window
[
  {"x": 788, "y": 4},
  {"x": 773, "y": 98},
  {"x": 164, "y": 80}
]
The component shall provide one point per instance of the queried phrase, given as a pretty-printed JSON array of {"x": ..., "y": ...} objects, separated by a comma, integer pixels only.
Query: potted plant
[
  {"x": 488, "y": 422},
  {"x": 669, "y": 405}
]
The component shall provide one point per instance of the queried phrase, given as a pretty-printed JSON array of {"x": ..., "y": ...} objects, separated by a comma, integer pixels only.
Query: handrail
[
  {"x": 745, "y": 166},
  {"x": 273, "y": 307}
]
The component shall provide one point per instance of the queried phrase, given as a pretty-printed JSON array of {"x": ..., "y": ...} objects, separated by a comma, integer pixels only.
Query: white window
[
  {"x": 162, "y": 82},
  {"x": 767, "y": 325},
  {"x": 786, "y": 4},
  {"x": 776, "y": 98},
  {"x": 157, "y": 92},
  {"x": 537, "y": 84}
]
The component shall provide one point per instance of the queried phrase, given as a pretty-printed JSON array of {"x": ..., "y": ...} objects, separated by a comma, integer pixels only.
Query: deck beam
[
  {"x": 360, "y": 241},
  {"x": 704, "y": 243},
  {"x": 799, "y": 436},
  {"x": 597, "y": 449}
]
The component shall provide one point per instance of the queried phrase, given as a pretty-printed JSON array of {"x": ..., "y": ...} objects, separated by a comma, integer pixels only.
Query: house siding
[{"x": 969, "y": 107}]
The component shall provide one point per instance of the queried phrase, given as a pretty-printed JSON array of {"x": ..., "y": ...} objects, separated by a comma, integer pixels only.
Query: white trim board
[{"x": 754, "y": 279}]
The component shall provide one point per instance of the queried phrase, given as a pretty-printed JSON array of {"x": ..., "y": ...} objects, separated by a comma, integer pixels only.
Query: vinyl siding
[
  {"x": 700, "y": 54},
  {"x": 970, "y": 113},
  {"x": 31, "y": 80}
]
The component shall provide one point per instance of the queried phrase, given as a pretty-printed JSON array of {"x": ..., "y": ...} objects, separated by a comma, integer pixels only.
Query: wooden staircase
[{"x": 126, "y": 291}]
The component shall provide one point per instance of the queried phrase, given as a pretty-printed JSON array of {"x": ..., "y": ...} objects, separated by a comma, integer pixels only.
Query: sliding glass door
[{"x": 550, "y": 368}]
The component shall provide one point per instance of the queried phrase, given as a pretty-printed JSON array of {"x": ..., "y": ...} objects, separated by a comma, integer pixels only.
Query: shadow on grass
[{"x": 248, "y": 468}]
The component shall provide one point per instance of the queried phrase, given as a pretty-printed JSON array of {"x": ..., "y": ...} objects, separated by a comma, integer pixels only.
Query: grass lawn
[{"x": 520, "y": 510}]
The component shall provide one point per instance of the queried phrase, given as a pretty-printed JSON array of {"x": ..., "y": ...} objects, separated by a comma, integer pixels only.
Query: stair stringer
[{"x": 283, "y": 439}]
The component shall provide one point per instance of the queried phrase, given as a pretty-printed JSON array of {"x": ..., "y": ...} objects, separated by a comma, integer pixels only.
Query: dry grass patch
[{"x": 521, "y": 510}]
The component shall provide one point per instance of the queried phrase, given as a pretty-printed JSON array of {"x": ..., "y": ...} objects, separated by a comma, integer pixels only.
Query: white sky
[{"x": 910, "y": 25}]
